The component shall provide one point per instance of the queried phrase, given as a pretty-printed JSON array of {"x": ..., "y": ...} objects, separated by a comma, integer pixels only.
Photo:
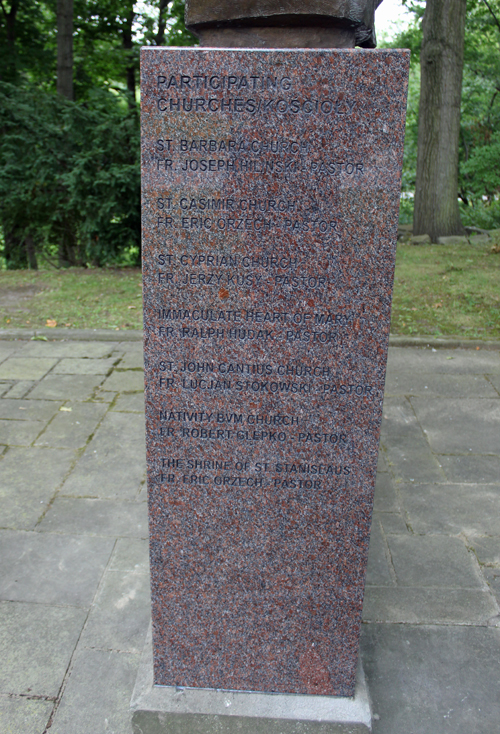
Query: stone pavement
[{"x": 74, "y": 581}]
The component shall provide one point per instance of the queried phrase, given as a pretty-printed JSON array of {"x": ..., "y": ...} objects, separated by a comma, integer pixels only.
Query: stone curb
[
  {"x": 135, "y": 335},
  {"x": 83, "y": 335},
  {"x": 442, "y": 342}
]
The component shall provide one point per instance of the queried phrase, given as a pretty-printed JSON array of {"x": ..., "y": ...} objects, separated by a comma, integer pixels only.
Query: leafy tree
[
  {"x": 479, "y": 181},
  {"x": 164, "y": 25},
  {"x": 441, "y": 64},
  {"x": 72, "y": 194},
  {"x": 25, "y": 26},
  {"x": 65, "y": 48},
  {"x": 479, "y": 150},
  {"x": 69, "y": 171}
]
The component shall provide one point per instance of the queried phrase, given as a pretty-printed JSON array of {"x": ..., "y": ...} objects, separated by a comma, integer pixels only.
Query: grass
[
  {"x": 76, "y": 298},
  {"x": 438, "y": 290},
  {"x": 447, "y": 290}
]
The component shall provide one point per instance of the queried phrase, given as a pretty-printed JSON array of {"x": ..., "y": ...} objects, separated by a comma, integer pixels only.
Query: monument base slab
[{"x": 172, "y": 710}]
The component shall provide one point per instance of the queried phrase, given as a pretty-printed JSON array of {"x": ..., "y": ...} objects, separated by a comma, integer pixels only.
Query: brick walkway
[{"x": 74, "y": 582}]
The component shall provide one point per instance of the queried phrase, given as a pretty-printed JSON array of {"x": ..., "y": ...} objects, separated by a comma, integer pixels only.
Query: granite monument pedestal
[
  {"x": 159, "y": 709},
  {"x": 271, "y": 185}
]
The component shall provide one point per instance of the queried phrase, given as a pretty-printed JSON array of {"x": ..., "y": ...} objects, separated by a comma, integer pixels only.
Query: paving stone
[
  {"x": 392, "y": 523},
  {"x": 132, "y": 345},
  {"x": 413, "y": 461},
  {"x": 5, "y": 387},
  {"x": 26, "y": 368},
  {"x": 475, "y": 469},
  {"x": 28, "y": 480},
  {"x": 453, "y": 508},
  {"x": 130, "y": 554},
  {"x": 386, "y": 499},
  {"x": 450, "y": 361},
  {"x": 24, "y": 715},
  {"x": 19, "y": 433},
  {"x": 460, "y": 426},
  {"x": 28, "y": 410},
  {"x": 84, "y": 366},
  {"x": 36, "y": 645},
  {"x": 133, "y": 358},
  {"x": 487, "y": 550},
  {"x": 414, "y": 560},
  {"x": 72, "y": 429},
  {"x": 8, "y": 348},
  {"x": 438, "y": 384},
  {"x": 113, "y": 465},
  {"x": 431, "y": 680},
  {"x": 97, "y": 696},
  {"x": 120, "y": 614},
  {"x": 143, "y": 494},
  {"x": 120, "y": 348},
  {"x": 382, "y": 463},
  {"x": 402, "y": 605},
  {"x": 455, "y": 674},
  {"x": 495, "y": 381},
  {"x": 127, "y": 381},
  {"x": 492, "y": 577},
  {"x": 96, "y": 517},
  {"x": 132, "y": 403},
  {"x": 20, "y": 389},
  {"x": 52, "y": 569},
  {"x": 405, "y": 446},
  {"x": 378, "y": 573},
  {"x": 66, "y": 387},
  {"x": 399, "y": 420},
  {"x": 71, "y": 349},
  {"x": 104, "y": 396}
]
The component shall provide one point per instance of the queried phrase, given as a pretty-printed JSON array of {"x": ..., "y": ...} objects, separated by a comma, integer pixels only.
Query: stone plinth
[
  {"x": 159, "y": 709},
  {"x": 271, "y": 185}
]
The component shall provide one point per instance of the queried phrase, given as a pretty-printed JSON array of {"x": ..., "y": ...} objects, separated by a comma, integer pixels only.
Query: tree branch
[
  {"x": 497, "y": 22},
  {"x": 13, "y": 9},
  {"x": 160, "y": 36},
  {"x": 497, "y": 90},
  {"x": 3, "y": 9}
]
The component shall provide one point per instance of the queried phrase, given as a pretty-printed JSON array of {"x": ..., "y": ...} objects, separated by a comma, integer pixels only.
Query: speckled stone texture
[{"x": 271, "y": 187}]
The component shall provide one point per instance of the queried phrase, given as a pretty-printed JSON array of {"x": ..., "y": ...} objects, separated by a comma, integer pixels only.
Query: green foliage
[
  {"x": 480, "y": 128},
  {"x": 410, "y": 149},
  {"x": 69, "y": 178},
  {"x": 99, "y": 298},
  {"x": 410, "y": 37},
  {"x": 479, "y": 165},
  {"x": 25, "y": 29},
  {"x": 69, "y": 171},
  {"x": 447, "y": 289},
  {"x": 169, "y": 16}
]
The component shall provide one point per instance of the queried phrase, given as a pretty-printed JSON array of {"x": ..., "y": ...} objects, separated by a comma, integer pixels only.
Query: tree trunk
[
  {"x": 162, "y": 24},
  {"x": 29, "y": 243},
  {"x": 13, "y": 249},
  {"x": 10, "y": 27},
  {"x": 442, "y": 57},
  {"x": 67, "y": 245},
  {"x": 128, "y": 45},
  {"x": 65, "y": 48}
]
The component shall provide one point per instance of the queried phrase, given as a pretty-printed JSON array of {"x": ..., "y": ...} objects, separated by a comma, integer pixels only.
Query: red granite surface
[{"x": 270, "y": 205}]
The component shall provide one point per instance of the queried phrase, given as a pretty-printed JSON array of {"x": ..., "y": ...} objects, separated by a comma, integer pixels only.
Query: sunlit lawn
[
  {"x": 449, "y": 290},
  {"x": 74, "y": 298}
]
